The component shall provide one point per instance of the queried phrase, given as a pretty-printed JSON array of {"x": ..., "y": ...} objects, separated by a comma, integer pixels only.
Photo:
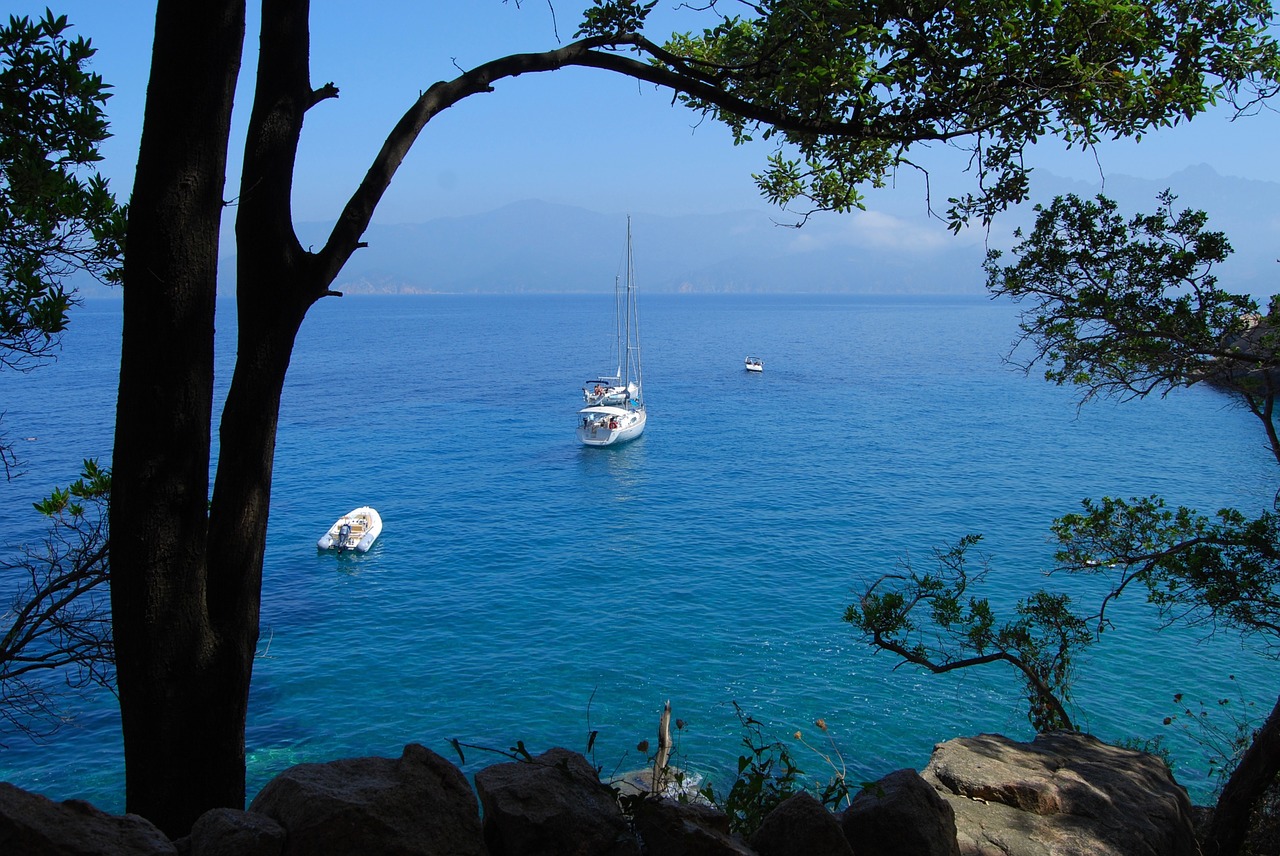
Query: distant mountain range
[{"x": 535, "y": 246}]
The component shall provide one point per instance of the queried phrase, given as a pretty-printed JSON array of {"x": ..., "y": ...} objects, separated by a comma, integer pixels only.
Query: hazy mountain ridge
[
  {"x": 535, "y": 246},
  {"x": 540, "y": 247}
]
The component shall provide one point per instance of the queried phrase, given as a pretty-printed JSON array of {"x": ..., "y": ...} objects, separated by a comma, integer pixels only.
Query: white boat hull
[
  {"x": 608, "y": 426},
  {"x": 364, "y": 525}
]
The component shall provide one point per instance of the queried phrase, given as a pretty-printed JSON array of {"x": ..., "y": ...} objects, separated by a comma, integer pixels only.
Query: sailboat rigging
[{"x": 615, "y": 410}]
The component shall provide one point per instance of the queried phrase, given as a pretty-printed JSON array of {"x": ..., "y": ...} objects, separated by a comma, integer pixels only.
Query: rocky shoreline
[{"x": 1059, "y": 795}]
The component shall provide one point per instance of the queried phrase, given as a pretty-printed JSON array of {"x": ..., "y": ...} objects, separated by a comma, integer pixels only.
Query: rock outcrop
[
  {"x": 230, "y": 832},
  {"x": 1061, "y": 795},
  {"x": 555, "y": 804},
  {"x": 901, "y": 813},
  {"x": 671, "y": 828},
  {"x": 1064, "y": 794},
  {"x": 800, "y": 826},
  {"x": 30, "y": 823},
  {"x": 418, "y": 803}
]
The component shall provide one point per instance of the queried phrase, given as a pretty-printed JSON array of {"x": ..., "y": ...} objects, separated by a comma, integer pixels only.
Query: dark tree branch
[
  {"x": 941, "y": 668},
  {"x": 60, "y": 620}
]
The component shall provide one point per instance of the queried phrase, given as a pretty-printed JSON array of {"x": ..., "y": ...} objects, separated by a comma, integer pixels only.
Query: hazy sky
[{"x": 579, "y": 137}]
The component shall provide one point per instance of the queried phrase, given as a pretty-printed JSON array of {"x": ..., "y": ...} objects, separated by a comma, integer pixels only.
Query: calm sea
[{"x": 528, "y": 589}]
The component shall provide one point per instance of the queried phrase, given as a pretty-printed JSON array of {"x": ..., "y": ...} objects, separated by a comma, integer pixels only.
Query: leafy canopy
[
  {"x": 1121, "y": 306},
  {"x": 1130, "y": 307},
  {"x": 1220, "y": 571},
  {"x": 866, "y": 82},
  {"x": 931, "y": 619},
  {"x": 56, "y": 216}
]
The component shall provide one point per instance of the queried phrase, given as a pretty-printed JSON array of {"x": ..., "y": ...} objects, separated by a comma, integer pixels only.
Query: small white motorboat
[
  {"x": 355, "y": 530},
  {"x": 755, "y": 364}
]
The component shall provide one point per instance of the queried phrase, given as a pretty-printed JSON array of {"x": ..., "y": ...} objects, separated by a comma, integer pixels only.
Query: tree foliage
[
  {"x": 932, "y": 620},
  {"x": 1131, "y": 307},
  {"x": 58, "y": 625},
  {"x": 1220, "y": 571},
  {"x": 867, "y": 82},
  {"x": 57, "y": 216}
]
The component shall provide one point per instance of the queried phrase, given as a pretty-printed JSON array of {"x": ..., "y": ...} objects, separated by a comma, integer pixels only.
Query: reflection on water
[{"x": 622, "y": 465}]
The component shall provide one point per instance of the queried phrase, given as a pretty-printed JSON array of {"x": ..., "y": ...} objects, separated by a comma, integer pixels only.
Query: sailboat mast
[
  {"x": 618, "y": 346},
  {"x": 633, "y": 319},
  {"x": 626, "y": 341}
]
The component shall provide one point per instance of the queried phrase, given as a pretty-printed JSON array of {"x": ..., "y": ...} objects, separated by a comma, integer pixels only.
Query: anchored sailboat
[{"x": 615, "y": 405}]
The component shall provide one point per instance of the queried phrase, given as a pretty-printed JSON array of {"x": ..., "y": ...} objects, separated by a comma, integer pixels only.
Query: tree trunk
[
  {"x": 181, "y": 708},
  {"x": 1257, "y": 770},
  {"x": 276, "y": 282}
]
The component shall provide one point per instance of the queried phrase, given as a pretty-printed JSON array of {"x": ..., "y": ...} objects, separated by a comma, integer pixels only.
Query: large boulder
[
  {"x": 418, "y": 804},
  {"x": 672, "y": 828},
  {"x": 901, "y": 815},
  {"x": 554, "y": 805},
  {"x": 31, "y": 823},
  {"x": 1064, "y": 794},
  {"x": 800, "y": 826},
  {"x": 231, "y": 832}
]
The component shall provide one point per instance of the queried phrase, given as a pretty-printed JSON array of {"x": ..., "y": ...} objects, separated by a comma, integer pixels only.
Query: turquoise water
[{"x": 528, "y": 589}]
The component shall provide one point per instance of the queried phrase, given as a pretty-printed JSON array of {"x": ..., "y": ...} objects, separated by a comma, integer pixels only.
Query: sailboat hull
[{"x": 609, "y": 426}]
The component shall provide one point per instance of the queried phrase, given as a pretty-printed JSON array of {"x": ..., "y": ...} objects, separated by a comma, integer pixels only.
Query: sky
[{"x": 576, "y": 136}]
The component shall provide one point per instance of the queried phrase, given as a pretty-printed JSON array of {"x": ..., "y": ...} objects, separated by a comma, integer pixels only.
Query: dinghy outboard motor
[{"x": 343, "y": 534}]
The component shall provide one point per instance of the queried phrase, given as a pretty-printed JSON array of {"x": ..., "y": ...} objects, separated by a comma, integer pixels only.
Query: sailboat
[{"x": 615, "y": 403}]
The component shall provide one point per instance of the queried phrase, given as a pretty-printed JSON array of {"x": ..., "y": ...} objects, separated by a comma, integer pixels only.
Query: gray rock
[
  {"x": 33, "y": 824},
  {"x": 800, "y": 826},
  {"x": 554, "y": 805},
  {"x": 418, "y": 804},
  {"x": 228, "y": 832},
  {"x": 671, "y": 828},
  {"x": 901, "y": 815},
  {"x": 1064, "y": 794}
]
